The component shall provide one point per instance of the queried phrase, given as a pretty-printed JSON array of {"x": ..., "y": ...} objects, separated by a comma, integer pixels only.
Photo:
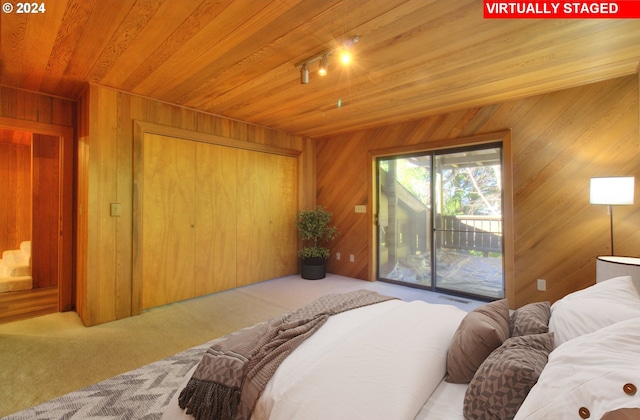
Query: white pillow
[
  {"x": 591, "y": 372},
  {"x": 595, "y": 307}
]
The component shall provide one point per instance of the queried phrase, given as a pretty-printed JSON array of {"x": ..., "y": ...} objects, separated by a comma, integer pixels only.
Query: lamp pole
[{"x": 611, "y": 224}]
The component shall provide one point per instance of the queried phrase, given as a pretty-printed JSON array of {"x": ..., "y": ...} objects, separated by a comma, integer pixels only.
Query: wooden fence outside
[{"x": 470, "y": 233}]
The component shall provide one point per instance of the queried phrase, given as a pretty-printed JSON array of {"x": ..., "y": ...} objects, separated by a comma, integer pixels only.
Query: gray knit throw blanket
[{"x": 233, "y": 372}]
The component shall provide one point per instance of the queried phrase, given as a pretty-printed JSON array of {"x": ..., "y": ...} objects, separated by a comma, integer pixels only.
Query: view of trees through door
[{"x": 440, "y": 221}]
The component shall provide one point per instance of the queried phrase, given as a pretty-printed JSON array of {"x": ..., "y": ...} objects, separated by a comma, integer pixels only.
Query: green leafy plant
[{"x": 314, "y": 227}]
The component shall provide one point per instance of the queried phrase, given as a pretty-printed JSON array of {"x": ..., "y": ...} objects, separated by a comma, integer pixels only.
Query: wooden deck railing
[{"x": 471, "y": 233}]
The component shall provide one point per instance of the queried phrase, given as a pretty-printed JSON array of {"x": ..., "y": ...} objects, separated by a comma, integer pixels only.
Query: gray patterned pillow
[
  {"x": 530, "y": 319},
  {"x": 503, "y": 381}
]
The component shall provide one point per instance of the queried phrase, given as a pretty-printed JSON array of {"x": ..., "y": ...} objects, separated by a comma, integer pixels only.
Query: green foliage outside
[
  {"x": 471, "y": 191},
  {"x": 466, "y": 190}
]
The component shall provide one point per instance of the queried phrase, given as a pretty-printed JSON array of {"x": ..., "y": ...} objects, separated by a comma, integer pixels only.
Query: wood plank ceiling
[{"x": 236, "y": 58}]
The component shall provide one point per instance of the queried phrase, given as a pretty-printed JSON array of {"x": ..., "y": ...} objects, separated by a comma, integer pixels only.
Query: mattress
[{"x": 378, "y": 362}]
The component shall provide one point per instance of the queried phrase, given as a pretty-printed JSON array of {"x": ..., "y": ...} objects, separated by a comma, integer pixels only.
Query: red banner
[{"x": 623, "y": 9}]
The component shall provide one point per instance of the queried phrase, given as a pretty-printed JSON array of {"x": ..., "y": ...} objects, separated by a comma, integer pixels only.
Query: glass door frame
[
  {"x": 434, "y": 221},
  {"x": 502, "y": 137}
]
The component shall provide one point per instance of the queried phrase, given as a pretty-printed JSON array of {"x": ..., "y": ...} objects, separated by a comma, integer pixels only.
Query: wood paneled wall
[
  {"x": 15, "y": 208},
  {"x": 560, "y": 140},
  {"x": 45, "y": 210},
  {"x": 25, "y": 107},
  {"x": 105, "y": 157}
]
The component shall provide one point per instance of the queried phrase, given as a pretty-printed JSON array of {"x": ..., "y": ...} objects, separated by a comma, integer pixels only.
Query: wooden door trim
[
  {"x": 65, "y": 241},
  {"x": 144, "y": 127}
]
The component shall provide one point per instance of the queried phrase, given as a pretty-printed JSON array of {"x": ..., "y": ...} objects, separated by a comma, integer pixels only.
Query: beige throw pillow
[{"x": 481, "y": 331}]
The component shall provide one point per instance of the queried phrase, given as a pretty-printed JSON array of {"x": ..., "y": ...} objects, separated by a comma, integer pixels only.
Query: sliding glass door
[{"x": 440, "y": 221}]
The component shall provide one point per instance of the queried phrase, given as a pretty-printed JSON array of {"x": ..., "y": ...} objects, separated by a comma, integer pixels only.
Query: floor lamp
[{"x": 612, "y": 191}]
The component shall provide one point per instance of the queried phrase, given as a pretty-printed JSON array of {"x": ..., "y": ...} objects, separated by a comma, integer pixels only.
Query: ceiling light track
[{"x": 323, "y": 58}]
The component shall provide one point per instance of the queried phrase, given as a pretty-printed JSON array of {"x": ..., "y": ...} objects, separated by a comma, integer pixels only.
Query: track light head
[
  {"x": 324, "y": 63},
  {"x": 345, "y": 50},
  {"x": 304, "y": 74},
  {"x": 345, "y": 57},
  {"x": 323, "y": 58}
]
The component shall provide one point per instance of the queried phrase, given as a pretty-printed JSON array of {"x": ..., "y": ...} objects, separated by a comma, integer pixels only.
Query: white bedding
[
  {"x": 445, "y": 403},
  {"x": 330, "y": 374}
]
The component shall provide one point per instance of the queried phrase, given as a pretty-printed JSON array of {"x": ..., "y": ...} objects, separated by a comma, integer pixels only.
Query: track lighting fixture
[
  {"x": 345, "y": 51},
  {"x": 345, "y": 57},
  {"x": 324, "y": 65},
  {"x": 323, "y": 58}
]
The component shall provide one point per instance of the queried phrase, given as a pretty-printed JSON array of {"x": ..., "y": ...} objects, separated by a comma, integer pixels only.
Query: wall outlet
[
  {"x": 542, "y": 285},
  {"x": 115, "y": 210},
  {"x": 352, "y": 258},
  {"x": 337, "y": 255}
]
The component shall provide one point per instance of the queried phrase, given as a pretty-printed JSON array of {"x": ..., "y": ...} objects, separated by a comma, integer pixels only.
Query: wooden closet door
[
  {"x": 213, "y": 218},
  {"x": 267, "y": 202},
  {"x": 216, "y": 218},
  {"x": 168, "y": 220},
  {"x": 283, "y": 208}
]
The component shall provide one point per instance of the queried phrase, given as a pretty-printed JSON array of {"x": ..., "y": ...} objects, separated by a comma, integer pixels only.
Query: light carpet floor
[{"x": 52, "y": 355}]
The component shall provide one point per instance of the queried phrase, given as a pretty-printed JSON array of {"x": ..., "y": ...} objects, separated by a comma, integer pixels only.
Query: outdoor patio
[{"x": 457, "y": 270}]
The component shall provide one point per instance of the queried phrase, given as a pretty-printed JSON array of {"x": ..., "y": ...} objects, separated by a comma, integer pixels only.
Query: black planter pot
[{"x": 313, "y": 268}]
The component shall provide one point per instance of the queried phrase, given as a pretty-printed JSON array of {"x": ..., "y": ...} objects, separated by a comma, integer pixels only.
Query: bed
[{"x": 577, "y": 358}]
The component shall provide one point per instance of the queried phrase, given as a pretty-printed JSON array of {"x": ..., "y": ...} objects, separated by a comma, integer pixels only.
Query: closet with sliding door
[{"x": 211, "y": 216}]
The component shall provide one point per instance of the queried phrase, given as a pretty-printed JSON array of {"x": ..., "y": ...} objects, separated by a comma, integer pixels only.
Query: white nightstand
[{"x": 611, "y": 266}]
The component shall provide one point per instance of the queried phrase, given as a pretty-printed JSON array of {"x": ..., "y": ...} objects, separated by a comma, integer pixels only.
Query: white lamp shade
[{"x": 613, "y": 191}]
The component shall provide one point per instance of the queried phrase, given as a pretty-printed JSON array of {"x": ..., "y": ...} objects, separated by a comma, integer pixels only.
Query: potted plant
[{"x": 313, "y": 228}]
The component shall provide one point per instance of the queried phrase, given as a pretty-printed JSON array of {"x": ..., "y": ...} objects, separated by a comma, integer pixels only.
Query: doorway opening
[
  {"x": 440, "y": 220},
  {"x": 36, "y": 240}
]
